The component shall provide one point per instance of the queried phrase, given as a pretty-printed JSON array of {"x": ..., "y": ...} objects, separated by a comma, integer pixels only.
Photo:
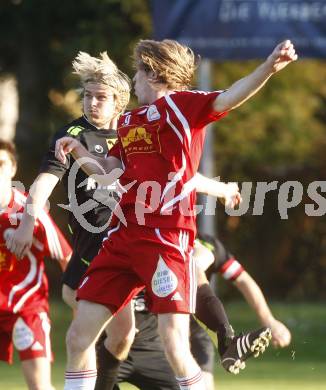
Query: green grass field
[{"x": 302, "y": 366}]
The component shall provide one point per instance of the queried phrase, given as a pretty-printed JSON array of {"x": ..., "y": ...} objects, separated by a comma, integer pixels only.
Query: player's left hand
[
  {"x": 63, "y": 146},
  {"x": 19, "y": 241},
  {"x": 281, "y": 336},
  {"x": 283, "y": 54}
]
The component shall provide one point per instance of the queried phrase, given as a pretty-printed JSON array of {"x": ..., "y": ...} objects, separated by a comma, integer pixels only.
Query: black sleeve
[
  {"x": 49, "y": 163},
  {"x": 222, "y": 254}
]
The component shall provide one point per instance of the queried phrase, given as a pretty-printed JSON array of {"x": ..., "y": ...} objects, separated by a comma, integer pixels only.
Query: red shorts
[
  {"x": 28, "y": 332},
  {"x": 135, "y": 257}
]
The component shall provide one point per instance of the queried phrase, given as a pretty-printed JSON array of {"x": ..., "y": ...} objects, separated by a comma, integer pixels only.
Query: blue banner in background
[{"x": 238, "y": 29}]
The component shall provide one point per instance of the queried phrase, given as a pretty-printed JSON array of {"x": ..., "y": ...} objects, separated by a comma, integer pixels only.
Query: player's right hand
[
  {"x": 281, "y": 336},
  {"x": 19, "y": 241},
  {"x": 283, "y": 54},
  {"x": 63, "y": 146},
  {"x": 231, "y": 195}
]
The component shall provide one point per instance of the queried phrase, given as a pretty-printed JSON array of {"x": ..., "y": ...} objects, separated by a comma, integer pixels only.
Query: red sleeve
[
  {"x": 57, "y": 247},
  {"x": 197, "y": 107}
]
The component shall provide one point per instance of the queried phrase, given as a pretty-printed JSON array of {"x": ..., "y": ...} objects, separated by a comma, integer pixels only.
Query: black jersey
[{"x": 80, "y": 188}]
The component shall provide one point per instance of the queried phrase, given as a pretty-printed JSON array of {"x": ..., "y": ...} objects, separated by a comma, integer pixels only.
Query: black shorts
[
  {"x": 202, "y": 346},
  {"x": 85, "y": 247},
  {"x": 147, "y": 368}
]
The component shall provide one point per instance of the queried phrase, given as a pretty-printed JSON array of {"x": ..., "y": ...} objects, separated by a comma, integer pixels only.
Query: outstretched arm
[
  {"x": 228, "y": 193},
  {"x": 255, "y": 297},
  {"x": 21, "y": 239},
  {"x": 242, "y": 90},
  {"x": 104, "y": 171}
]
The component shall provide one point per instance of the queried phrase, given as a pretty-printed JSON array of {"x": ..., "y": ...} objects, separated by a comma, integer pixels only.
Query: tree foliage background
[{"x": 277, "y": 136}]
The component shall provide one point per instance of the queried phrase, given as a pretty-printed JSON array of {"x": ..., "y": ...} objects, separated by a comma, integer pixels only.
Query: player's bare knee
[{"x": 77, "y": 340}]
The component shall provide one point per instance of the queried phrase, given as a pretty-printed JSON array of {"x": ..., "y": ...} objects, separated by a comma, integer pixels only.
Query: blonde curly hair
[
  {"x": 103, "y": 70},
  {"x": 173, "y": 64}
]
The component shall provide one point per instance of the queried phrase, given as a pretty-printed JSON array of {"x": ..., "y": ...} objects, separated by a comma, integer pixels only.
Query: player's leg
[
  {"x": 90, "y": 319},
  {"x": 37, "y": 373},
  {"x": 119, "y": 333},
  {"x": 114, "y": 344},
  {"x": 170, "y": 279},
  {"x": 233, "y": 350},
  {"x": 114, "y": 347},
  {"x": 210, "y": 311},
  {"x": 174, "y": 331},
  {"x": 203, "y": 351},
  {"x": 108, "y": 281},
  {"x": 31, "y": 338},
  {"x": 146, "y": 366},
  {"x": 122, "y": 327}
]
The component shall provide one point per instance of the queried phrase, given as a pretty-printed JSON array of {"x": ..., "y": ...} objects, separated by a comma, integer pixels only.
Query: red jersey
[
  {"x": 23, "y": 284},
  {"x": 160, "y": 146}
]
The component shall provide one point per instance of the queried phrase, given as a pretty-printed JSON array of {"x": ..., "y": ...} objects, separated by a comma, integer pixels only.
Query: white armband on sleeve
[{"x": 231, "y": 269}]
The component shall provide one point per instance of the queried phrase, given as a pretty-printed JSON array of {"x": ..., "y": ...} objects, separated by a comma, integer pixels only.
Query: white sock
[
  {"x": 80, "y": 380},
  {"x": 195, "y": 382}
]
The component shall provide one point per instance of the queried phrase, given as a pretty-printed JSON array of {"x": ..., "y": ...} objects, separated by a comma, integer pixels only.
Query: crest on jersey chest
[
  {"x": 152, "y": 113},
  {"x": 140, "y": 139},
  {"x": 99, "y": 149}
]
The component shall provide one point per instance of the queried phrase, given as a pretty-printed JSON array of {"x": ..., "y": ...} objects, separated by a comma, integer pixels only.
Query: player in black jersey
[
  {"x": 146, "y": 365},
  {"x": 97, "y": 141}
]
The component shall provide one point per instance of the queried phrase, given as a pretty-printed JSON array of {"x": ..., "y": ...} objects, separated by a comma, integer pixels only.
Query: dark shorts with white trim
[
  {"x": 147, "y": 368},
  {"x": 85, "y": 247}
]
